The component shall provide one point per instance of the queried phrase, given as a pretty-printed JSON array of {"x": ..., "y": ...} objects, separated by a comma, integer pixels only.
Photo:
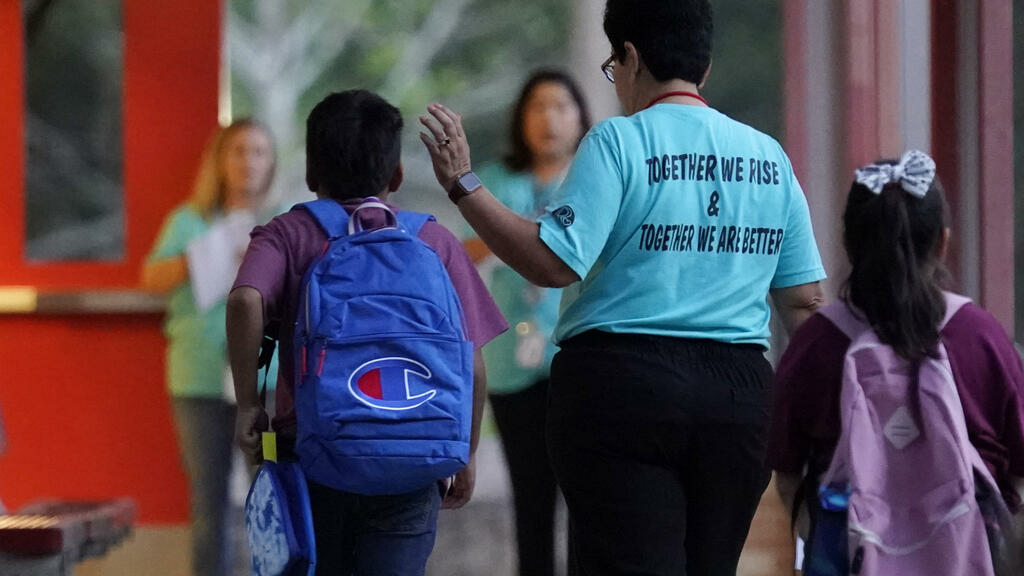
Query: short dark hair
[
  {"x": 353, "y": 144},
  {"x": 896, "y": 278},
  {"x": 520, "y": 158},
  {"x": 672, "y": 36}
]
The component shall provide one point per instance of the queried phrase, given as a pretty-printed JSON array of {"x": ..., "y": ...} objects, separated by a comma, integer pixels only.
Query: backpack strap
[
  {"x": 330, "y": 215},
  {"x": 413, "y": 221},
  {"x": 954, "y": 302},
  {"x": 842, "y": 316}
]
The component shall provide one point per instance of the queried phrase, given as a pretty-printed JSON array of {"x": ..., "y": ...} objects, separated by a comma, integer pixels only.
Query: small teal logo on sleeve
[{"x": 564, "y": 216}]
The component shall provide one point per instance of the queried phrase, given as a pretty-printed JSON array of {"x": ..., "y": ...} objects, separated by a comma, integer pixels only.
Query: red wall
[{"x": 83, "y": 397}]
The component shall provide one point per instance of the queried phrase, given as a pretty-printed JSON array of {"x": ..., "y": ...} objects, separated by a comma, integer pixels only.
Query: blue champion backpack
[{"x": 384, "y": 383}]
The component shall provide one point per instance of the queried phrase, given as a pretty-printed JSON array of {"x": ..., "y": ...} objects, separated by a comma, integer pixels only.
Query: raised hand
[{"x": 446, "y": 144}]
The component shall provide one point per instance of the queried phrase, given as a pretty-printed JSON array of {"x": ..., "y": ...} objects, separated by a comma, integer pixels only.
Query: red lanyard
[{"x": 678, "y": 93}]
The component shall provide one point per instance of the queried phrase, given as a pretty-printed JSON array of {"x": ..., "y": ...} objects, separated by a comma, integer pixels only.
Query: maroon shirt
[
  {"x": 280, "y": 253},
  {"x": 805, "y": 422}
]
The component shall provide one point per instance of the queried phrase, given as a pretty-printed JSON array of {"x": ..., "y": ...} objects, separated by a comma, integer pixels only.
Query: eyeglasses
[{"x": 608, "y": 67}]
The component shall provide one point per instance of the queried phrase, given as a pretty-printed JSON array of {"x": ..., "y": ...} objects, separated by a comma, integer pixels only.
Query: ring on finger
[{"x": 445, "y": 142}]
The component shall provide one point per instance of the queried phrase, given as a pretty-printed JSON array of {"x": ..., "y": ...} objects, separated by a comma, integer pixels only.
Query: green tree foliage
[
  {"x": 746, "y": 71},
  {"x": 470, "y": 54}
]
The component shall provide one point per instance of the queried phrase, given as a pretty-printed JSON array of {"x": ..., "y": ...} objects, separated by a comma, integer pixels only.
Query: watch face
[{"x": 470, "y": 182}]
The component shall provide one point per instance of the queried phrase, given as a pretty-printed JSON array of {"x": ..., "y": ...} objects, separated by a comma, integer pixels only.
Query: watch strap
[{"x": 457, "y": 191}]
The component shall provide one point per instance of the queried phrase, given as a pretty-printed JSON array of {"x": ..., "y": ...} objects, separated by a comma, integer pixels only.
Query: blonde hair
[{"x": 208, "y": 193}]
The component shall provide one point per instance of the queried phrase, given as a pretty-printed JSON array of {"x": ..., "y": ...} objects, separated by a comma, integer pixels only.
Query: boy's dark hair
[
  {"x": 353, "y": 144},
  {"x": 521, "y": 158},
  {"x": 672, "y": 36},
  {"x": 892, "y": 241}
]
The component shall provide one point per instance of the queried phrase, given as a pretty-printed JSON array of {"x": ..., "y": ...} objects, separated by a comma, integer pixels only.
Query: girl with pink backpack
[{"x": 898, "y": 411}]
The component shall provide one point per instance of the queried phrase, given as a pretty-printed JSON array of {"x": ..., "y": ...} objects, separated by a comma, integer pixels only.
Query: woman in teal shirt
[
  {"x": 548, "y": 121},
  {"x": 231, "y": 188},
  {"x": 673, "y": 227}
]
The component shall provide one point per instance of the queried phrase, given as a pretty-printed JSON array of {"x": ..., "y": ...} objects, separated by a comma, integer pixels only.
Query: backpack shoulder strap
[
  {"x": 413, "y": 221},
  {"x": 330, "y": 215},
  {"x": 843, "y": 317},
  {"x": 954, "y": 302}
]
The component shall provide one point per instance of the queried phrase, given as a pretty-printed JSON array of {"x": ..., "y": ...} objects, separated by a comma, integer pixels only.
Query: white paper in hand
[{"x": 214, "y": 257}]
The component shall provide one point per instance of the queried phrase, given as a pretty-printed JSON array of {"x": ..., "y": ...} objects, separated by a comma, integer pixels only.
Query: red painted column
[
  {"x": 794, "y": 22},
  {"x": 945, "y": 119},
  {"x": 873, "y": 82},
  {"x": 995, "y": 193},
  {"x": 861, "y": 83},
  {"x": 888, "y": 80},
  {"x": 993, "y": 117},
  {"x": 12, "y": 225}
]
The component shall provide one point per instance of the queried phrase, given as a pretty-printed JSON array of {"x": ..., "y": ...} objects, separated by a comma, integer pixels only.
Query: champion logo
[{"x": 393, "y": 383}]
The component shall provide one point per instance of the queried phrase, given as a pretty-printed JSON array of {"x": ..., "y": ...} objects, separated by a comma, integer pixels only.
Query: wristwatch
[{"x": 463, "y": 186}]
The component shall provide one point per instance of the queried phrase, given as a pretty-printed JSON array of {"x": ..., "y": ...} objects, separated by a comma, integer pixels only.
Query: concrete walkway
[
  {"x": 479, "y": 538},
  {"x": 476, "y": 540}
]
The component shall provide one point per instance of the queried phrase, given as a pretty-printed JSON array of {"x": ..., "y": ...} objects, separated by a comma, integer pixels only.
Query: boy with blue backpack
[{"x": 380, "y": 316}]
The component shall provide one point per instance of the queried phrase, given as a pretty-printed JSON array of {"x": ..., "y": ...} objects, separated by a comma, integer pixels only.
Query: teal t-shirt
[
  {"x": 520, "y": 356},
  {"x": 679, "y": 220},
  {"x": 196, "y": 361}
]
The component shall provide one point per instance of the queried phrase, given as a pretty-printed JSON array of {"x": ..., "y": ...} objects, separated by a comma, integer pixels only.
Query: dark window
[{"x": 73, "y": 90}]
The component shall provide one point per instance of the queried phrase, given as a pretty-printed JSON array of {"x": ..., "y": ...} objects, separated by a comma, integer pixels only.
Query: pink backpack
[{"x": 906, "y": 460}]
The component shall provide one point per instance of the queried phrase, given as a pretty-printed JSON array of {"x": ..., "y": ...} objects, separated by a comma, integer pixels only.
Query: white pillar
[
  {"x": 826, "y": 179},
  {"x": 916, "y": 46},
  {"x": 589, "y": 49}
]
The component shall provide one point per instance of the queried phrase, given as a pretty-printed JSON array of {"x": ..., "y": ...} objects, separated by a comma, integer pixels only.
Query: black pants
[
  {"x": 658, "y": 445},
  {"x": 520, "y": 417}
]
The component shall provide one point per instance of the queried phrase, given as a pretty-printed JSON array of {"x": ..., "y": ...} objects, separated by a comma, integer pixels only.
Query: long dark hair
[
  {"x": 892, "y": 240},
  {"x": 520, "y": 158}
]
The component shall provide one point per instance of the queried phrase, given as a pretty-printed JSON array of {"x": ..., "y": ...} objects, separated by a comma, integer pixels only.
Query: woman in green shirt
[
  {"x": 548, "y": 121},
  {"x": 231, "y": 189}
]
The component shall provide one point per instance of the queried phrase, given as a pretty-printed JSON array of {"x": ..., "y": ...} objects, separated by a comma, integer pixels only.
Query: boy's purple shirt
[
  {"x": 279, "y": 254},
  {"x": 805, "y": 423}
]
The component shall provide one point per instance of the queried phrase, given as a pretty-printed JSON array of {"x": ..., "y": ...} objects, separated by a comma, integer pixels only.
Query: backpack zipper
[
  {"x": 389, "y": 335},
  {"x": 323, "y": 356},
  {"x": 327, "y": 245}
]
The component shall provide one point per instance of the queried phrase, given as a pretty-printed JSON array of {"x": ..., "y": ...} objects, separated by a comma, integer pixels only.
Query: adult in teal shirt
[
  {"x": 673, "y": 227},
  {"x": 549, "y": 119},
  {"x": 232, "y": 183}
]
